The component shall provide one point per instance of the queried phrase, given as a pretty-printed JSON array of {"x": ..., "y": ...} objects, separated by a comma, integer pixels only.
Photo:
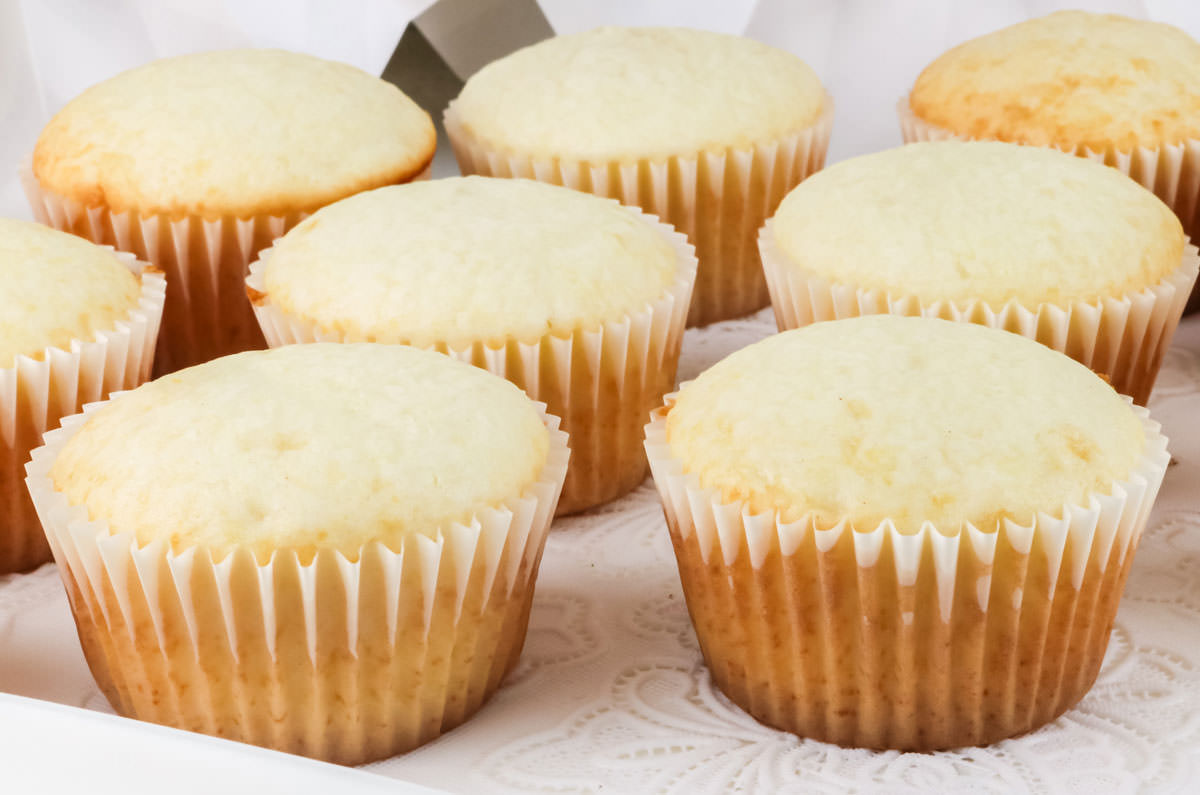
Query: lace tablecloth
[{"x": 611, "y": 694}]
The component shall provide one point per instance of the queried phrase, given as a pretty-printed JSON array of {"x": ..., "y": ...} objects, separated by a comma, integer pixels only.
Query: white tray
[
  {"x": 51, "y": 748},
  {"x": 611, "y": 694}
]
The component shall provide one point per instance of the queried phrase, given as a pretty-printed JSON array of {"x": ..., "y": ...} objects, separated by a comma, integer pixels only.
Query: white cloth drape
[{"x": 867, "y": 52}]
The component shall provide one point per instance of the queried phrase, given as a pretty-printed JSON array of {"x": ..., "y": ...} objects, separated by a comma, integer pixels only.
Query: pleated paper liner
[
  {"x": 888, "y": 640},
  {"x": 345, "y": 659},
  {"x": 1123, "y": 338},
  {"x": 35, "y": 393},
  {"x": 205, "y": 260},
  {"x": 602, "y": 382},
  {"x": 717, "y": 198},
  {"x": 1170, "y": 171}
]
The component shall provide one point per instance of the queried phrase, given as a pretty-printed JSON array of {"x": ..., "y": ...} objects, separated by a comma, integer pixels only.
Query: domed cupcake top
[
  {"x": 1070, "y": 78},
  {"x": 55, "y": 287},
  {"x": 467, "y": 259},
  {"x": 910, "y": 419},
  {"x": 630, "y": 93},
  {"x": 304, "y": 447},
  {"x": 981, "y": 220},
  {"x": 233, "y": 132}
]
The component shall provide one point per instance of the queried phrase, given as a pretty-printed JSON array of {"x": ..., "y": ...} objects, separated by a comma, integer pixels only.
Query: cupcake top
[
  {"x": 953, "y": 221},
  {"x": 1067, "y": 79},
  {"x": 55, "y": 288},
  {"x": 304, "y": 447},
  {"x": 468, "y": 259},
  {"x": 234, "y": 132},
  {"x": 631, "y": 93},
  {"x": 910, "y": 419}
]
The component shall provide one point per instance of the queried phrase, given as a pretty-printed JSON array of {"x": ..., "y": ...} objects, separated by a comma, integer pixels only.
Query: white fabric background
[{"x": 867, "y": 52}]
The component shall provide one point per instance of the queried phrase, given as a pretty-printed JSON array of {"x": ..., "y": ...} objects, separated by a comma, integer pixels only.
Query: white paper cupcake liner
[
  {"x": 717, "y": 198},
  {"x": 35, "y": 393},
  {"x": 918, "y": 641},
  {"x": 601, "y": 382},
  {"x": 1123, "y": 338},
  {"x": 346, "y": 659},
  {"x": 207, "y": 314},
  {"x": 1170, "y": 171}
]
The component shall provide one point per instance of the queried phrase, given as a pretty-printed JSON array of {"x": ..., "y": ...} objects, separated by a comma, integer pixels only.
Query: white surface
[
  {"x": 108, "y": 754},
  {"x": 611, "y": 694}
]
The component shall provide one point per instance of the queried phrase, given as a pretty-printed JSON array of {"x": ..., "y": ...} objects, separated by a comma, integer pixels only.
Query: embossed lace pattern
[{"x": 611, "y": 694}]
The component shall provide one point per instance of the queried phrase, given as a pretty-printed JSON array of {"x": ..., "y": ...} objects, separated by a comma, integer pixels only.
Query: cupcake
[
  {"x": 705, "y": 130},
  {"x": 903, "y": 533},
  {"x": 195, "y": 163},
  {"x": 1122, "y": 91},
  {"x": 1062, "y": 250},
  {"x": 76, "y": 322},
  {"x": 578, "y": 300},
  {"x": 325, "y": 549}
]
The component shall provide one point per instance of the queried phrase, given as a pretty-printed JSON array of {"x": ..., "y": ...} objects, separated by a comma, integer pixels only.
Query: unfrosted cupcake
[
  {"x": 1107, "y": 87},
  {"x": 195, "y": 163},
  {"x": 576, "y": 299},
  {"x": 903, "y": 533},
  {"x": 325, "y": 549},
  {"x": 76, "y": 322},
  {"x": 1058, "y": 249},
  {"x": 705, "y": 130}
]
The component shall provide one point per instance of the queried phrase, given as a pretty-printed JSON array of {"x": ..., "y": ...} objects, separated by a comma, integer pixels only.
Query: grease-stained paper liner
[
  {"x": 35, "y": 393},
  {"x": 1124, "y": 338},
  {"x": 918, "y": 641},
  {"x": 1170, "y": 171},
  {"x": 602, "y": 382},
  {"x": 717, "y": 198},
  {"x": 207, "y": 314},
  {"x": 342, "y": 659}
]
